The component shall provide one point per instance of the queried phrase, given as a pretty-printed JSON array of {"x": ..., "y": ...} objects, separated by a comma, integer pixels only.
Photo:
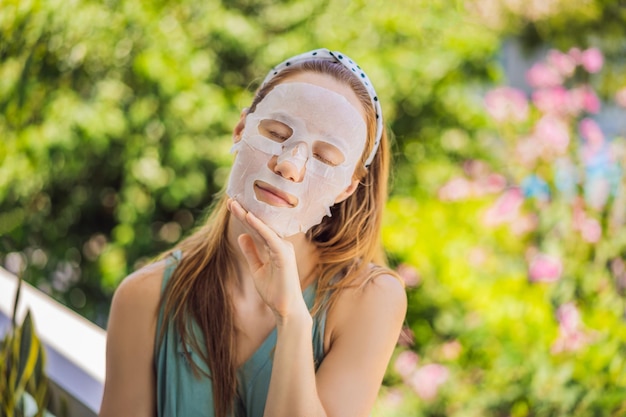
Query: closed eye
[
  {"x": 327, "y": 153},
  {"x": 275, "y": 130}
]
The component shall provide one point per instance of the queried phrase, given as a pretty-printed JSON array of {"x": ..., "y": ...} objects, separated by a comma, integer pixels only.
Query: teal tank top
[{"x": 180, "y": 393}]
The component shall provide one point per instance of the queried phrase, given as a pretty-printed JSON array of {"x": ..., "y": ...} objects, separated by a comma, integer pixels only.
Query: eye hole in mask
[{"x": 322, "y": 151}]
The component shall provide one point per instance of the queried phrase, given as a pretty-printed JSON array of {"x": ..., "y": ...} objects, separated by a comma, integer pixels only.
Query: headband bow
[{"x": 327, "y": 55}]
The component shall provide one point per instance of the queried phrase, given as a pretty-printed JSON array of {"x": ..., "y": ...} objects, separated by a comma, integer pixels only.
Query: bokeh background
[{"x": 508, "y": 203}]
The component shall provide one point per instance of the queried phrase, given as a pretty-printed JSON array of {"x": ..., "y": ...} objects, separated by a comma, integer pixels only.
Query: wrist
[{"x": 297, "y": 317}]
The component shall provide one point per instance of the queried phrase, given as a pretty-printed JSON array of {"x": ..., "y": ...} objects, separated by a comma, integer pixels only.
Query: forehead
[
  {"x": 316, "y": 109},
  {"x": 330, "y": 83}
]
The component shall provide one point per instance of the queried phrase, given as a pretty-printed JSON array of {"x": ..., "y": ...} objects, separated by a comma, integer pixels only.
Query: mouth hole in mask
[{"x": 268, "y": 194}]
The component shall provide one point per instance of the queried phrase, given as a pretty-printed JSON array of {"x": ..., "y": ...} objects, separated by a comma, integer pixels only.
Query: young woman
[{"x": 280, "y": 304}]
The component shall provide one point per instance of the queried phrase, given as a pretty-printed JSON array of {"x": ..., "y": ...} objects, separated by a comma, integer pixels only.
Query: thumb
[{"x": 250, "y": 252}]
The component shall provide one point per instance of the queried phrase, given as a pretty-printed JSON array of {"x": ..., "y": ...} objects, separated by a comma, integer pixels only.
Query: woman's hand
[{"x": 272, "y": 261}]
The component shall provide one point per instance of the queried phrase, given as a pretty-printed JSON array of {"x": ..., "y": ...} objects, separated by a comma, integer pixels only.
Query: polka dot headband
[{"x": 327, "y": 55}]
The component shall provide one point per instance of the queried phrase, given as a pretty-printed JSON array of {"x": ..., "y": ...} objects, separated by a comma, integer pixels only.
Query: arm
[
  {"x": 129, "y": 386},
  {"x": 366, "y": 325}
]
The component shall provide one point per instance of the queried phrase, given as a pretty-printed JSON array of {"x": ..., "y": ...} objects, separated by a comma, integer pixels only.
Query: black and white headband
[{"x": 325, "y": 54}]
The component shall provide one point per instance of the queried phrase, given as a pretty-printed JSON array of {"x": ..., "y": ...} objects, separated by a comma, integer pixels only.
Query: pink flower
[
  {"x": 409, "y": 274},
  {"x": 563, "y": 63},
  {"x": 568, "y": 317},
  {"x": 545, "y": 268},
  {"x": 456, "y": 189},
  {"x": 571, "y": 335},
  {"x": 592, "y": 133},
  {"x": 620, "y": 97},
  {"x": 393, "y": 398},
  {"x": 527, "y": 151},
  {"x": 591, "y": 230},
  {"x": 506, "y": 103},
  {"x": 541, "y": 75},
  {"x": 552, "y": 100},
  {"x": 451, "y": 350},
  {"x": 506, "y": 207},
  {"x": 524, "y": 224},
  {"x": 576, "y": 54},
  {"x": 591, "y": 102},
  {"x": 553, "y": 132},
  {"x": 406, "y": 363},
  {"x": 583, "y": 98},
  {"x": 427, "y": 380},
  {"x": 592, "y": 60},
  {"x": 598, "y": 193},
  {"x": 494, "y": 183}
]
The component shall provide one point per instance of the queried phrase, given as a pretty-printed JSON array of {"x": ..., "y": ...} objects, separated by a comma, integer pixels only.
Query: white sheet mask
[{"x": 317, "y": 160}]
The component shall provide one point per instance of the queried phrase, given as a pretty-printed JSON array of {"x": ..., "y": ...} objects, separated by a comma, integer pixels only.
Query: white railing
[{"x": 75, "y": 347}]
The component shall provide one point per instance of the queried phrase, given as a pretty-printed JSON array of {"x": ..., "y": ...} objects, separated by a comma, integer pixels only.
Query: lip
[{"x": 272, "y": 196}]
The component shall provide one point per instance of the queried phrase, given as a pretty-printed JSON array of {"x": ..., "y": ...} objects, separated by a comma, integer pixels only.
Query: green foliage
[
  {"x": 22, "y": 361},
  {"x": 117, "y": 116},
  {"x": 116, "y": 120}
]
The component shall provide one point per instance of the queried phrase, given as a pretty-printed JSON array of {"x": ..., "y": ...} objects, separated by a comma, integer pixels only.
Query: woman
[{"x": 278, "y": 305}]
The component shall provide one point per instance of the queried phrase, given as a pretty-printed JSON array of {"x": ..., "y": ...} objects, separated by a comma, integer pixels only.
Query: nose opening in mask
[{"x": 296, "y": 155}]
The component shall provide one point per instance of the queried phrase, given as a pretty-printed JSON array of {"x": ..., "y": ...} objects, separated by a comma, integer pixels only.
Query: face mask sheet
[{"x": 316, "y": 119}]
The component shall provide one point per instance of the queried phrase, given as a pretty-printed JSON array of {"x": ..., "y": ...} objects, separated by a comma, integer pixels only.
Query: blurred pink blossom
[
  {"x": 551, "y": 100},
  {"x": 427, "y": 380},
  {"x": 524, "y": 224},
  {"x": 541, "y": 75},
  {"x": 620, "y": 97},
  {"x": 505, "y": 208},
  {"x": 393, "y": 398},
  {"x": 592, "y": 133},
  {"x": 409, "y": 274},
  {"x": 592, "y": 60},
  {"x": 494, "y": 183},
  {"x": 451, "y": 350},
  {"x": 591, "y": 102},
  {"x": 406, "y": 363},
  {"x": 527, "y": 151},
  {"x": 599, "y": 191},
  {"x": 576, "y": 54},
  {"x": 507, "y": 103},
  {"x": 568, "y": 317},
  {"x": 583, "y": 98},
  {"x": 554, "y": 133},
  {"x": 456, "y": 189},
  {"x": 572, "y": 336},
  {"x": 591, "y": 230},
  {"x": 545, "y": 268},
  {"x": 563, "y": 63}
]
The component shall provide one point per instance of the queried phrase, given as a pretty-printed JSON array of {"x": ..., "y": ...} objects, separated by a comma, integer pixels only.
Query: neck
[{"x": 306, "y": 255}]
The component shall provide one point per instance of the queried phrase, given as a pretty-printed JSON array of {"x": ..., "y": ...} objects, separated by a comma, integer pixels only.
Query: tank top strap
[
  {"x": 171, "y": 262},
  {"x": 319, "y": 325}
]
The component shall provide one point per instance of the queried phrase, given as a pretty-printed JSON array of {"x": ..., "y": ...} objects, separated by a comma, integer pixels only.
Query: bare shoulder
[
  {"x": 362, "y": 327},
  {"x": 379, "y": 300},
  {"x": 130, "y": 378},
  {"x": 141, "y": 290}
]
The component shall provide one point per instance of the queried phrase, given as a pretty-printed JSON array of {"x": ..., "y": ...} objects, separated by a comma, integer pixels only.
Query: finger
[
  {"x": 240, "y": 214},
  {"x": 250, "y": 252},
  {"x": 275, "y": 244}
]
